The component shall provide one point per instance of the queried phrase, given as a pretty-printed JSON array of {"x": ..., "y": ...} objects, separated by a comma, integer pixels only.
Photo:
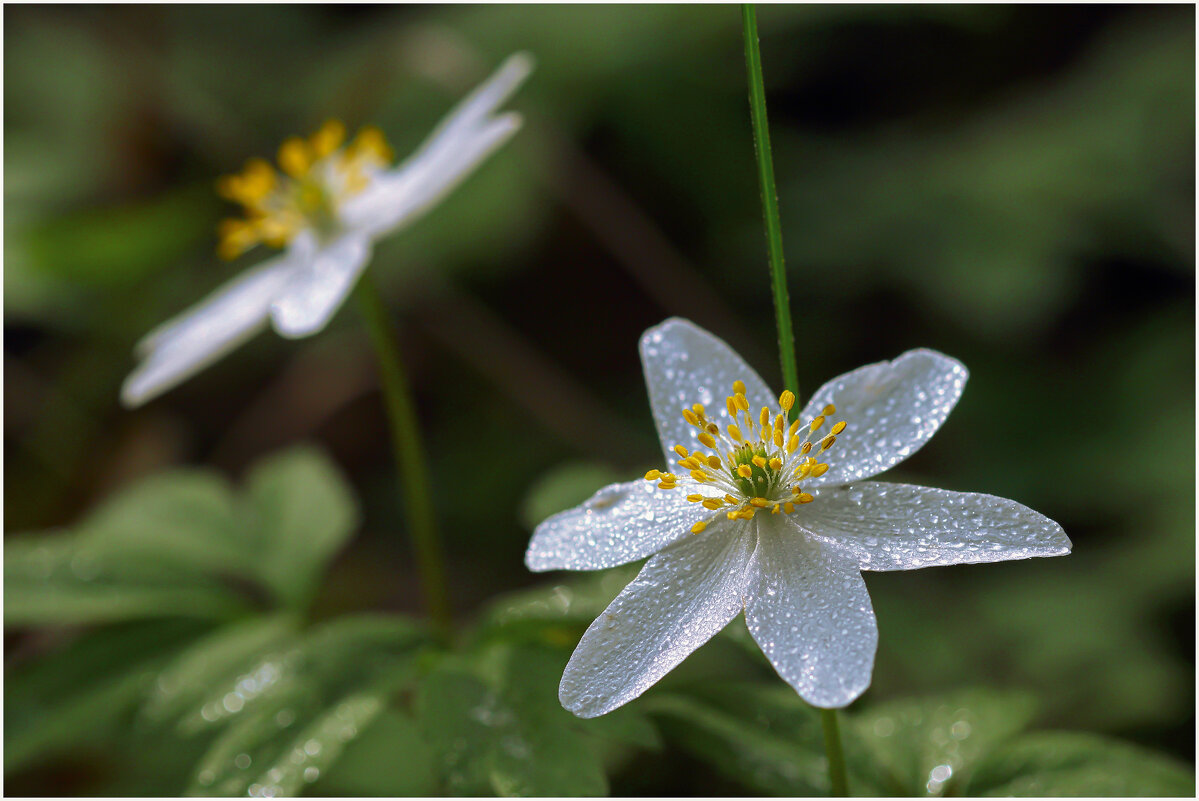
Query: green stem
[
  {"x": 770, "y": 201},
  {"x": 409, "y": 456},
  {"x": 832, "y": 750},
  {"x": 782, "y": 309}
]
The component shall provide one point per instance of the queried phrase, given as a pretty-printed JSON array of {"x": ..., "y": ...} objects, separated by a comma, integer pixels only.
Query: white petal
[
  {"x": 809, "y": 611},
  {"x": 903, "y": 527},
  {"x": 619, "y": 524},
  {"x": 319, "y": 287},
  {"x": 679, "y": 600},
  {"x": 459, "y": 144},
  {"x": 186, "y": 344},
  {"x": 684, "y": 365},
  {"x": 892, "y": 409}
]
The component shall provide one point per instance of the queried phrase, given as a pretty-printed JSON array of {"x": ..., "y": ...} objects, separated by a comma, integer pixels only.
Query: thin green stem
[
  {"x": 409, "y": 456},
  {"x": 782, "y": 309},
  {"x": 832, "y": 750},
  {"x": 770, "y": 201}
]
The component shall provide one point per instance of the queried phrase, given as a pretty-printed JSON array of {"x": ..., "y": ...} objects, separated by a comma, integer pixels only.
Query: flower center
[
  {"x": 318, "y": 175},
  {"x": 758, "y": 462}
]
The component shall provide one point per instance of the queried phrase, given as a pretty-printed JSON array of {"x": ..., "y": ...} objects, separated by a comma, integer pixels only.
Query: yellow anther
[
  {"x": 701, "y": 476},
  {"x": 653, "y": 475},
  {"x": 776, "y": 463},
  {"x": 805, "y": 470},
  {"x": 830, "y": 409},
  {"x": 745, "y": 471},
  {"x": 681, "y": 451},
  {"x": 729, "y": 499},
  {"x": 764, "y": 417},
  {"x": 738, "y": 387},
  {"x": 713, "y": 429},
  {"x": 775, "y": 510},
  {"x": 370, "y": 141},
  {"x": 787, "y": 400},
  {"x": 807, "y": 446},
  {"x": 778, "y": 438},
  {"x": 788, "y": 507},
  {"x": 715, "y": 463},
  {"x": 819, "y": 470},
  {"x": 666, "y": 485},
  {"x": 712, "y": 503},
  {"x": 694, "y": 498},
  {"x": 698, "y": 527},
  {"x": 838, "y": 428},
  {"x": 733, "y": 515},
  {"x": 816, "y": 423},
  {"x": 328, "y": 138},
  {"x": 735, "y": 433},
  {"x": 698, "y": 410},
  {"x": 794, "y": 427},
  {"x": 760, "y": 461},
  {"x": 748, "y": 513},
  {"x": 761, "y": 503},
  {"x": 690, "y": 463},
  {"x": 804, "y": 497},
  {"x": 690, "y": 417},
  {"x": 730, "y": 405},
  {"x": 741, "y": 401},
  {"x": 294, "y": 157},
  {"x": 792, "y": 444},
  {"x": 779, "y": 422},
  {"x": 827, "y": 442},
  {"x": 707, "y": 439}
]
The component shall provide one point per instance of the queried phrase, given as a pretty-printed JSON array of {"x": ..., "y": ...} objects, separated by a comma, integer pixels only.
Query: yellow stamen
[
  {"x": 690, "y": 417},
  {"x": 712, "y": 503},
  {"x": 807, "y": 447},
  {"x": 707, "y": 439},
  {"x": 819, "y": 470},
  {"x": 775, "y": 510},
  {"x": 815, "y": 424},
  {"x": 827, "y": 442},
  {"x": 327, "y": 139},
  {"x": 701, "y": 476},
  {"x": 830, "y": 409},
  {"x": 838, "y": 428},
  {"x": 681, "y": 451},
  {"x": 715, "y": 463},
  {"x": 787, "y": 400},
  {"x": 294, "y": 157},
  {"x": 778, "y": 439},
  {"x": 741, "y": 401},
  {"x": 760, "y": 461},
  {"x": 745, "y": 471},
  {"x": 698, "y": 409},
  {"x": 761, "y": 503},
  {"x": 735, "y": 433},
  {"x": 730, "y": 404},
  {"x": 776, "y": 463},
  {"x": 738, "y": 387},
  {"x": 764, "y": 417},
  {"x": 694, "y": 498},
  {"x": 698, "y": 527},
  {"x": 804, "y": 497},
  {"x": 792, "y": 444},
  {"x": 788, "y": 507},
  {"x": 653, "y": 475}
]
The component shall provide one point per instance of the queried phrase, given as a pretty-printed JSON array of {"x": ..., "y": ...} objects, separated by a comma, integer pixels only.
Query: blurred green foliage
[{"x": 1011, "y": 185}]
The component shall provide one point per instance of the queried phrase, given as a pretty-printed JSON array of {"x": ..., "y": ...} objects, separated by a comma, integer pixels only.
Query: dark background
[{"x": 1013, "y": 186}]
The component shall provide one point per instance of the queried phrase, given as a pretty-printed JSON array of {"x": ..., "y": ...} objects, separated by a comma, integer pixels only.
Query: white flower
[
  {"x": 329, "y": 205},
  {"x": 771, "y": 518}
]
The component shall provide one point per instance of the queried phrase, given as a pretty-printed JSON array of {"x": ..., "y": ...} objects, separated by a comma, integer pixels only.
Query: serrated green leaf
[
  {"x": 300, "y": 513},
  {"x": 1076, "y": 764},
  {"x": 760, "y": 736},
  {"x": 929, "y": 745}
]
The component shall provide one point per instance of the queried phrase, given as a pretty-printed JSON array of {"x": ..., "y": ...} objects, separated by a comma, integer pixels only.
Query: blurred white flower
[
  {"x": 773, "y": 518},
  {"x": 330, "y": 203}
]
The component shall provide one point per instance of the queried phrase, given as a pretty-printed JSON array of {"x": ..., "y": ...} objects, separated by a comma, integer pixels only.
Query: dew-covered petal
[
  {"x": 188, "y": 343},
  {"x": 684, "y": 365},
  {"x": 809, "y": 611},
  {"x": 679, "y": 600},
  {"x": 903, "y": 527},
  {"x": 318, "y": 288},
  {"x": 619, "y": 524},
  {"x": 892, "y": 409},
  {"x": 470, "y": 133}
]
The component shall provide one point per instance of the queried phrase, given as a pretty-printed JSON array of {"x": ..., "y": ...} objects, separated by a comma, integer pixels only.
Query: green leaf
[
  {"x": 301, "y": 511},
  {"x": 285, "y": 715},
  {"x": 505, "y": 733},
  {"x": 925, "y": 744},
  {"x": 85, "y": 690},
  {"x": 185, "y": 681},
  {"x": 760, "y": 736},
  {"x": 390, "y": 758},
  {"x": 1075, "y": 764},
  {"x": 181, "y": 543}
]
